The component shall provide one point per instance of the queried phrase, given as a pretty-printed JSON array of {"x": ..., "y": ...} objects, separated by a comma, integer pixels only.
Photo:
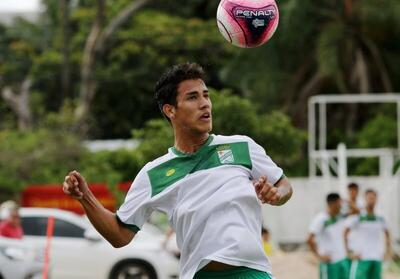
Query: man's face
[
  {"x": 370, "y": 200},
  {"x": 193, "y": 109},
  {"x": 335, "y": 206},
  {"x": 353, "y": 192}
]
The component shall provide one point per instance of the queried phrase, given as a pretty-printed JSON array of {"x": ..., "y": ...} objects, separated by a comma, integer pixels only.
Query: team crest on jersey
[{"x": 226, "y": 156}]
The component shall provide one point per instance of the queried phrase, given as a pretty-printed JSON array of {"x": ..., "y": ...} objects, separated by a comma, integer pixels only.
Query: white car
[
  {"x": 18, "y": 260},
  {"x": 79, "y": 252}
]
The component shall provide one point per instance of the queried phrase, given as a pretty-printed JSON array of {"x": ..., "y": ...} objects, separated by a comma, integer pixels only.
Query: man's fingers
[
  {"x": 266, "y": 189},
  {"x": 78, "y": 177},
  {"x": 258, "y": 186},
  {"x": 66, "y": 188},
  {"x": 271, "y": 193},
  {"x": 72, "y": 190}
]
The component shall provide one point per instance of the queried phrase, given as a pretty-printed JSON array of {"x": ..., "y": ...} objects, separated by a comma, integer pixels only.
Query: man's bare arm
[
  {"x": 388, "y": 252},
  {"x": 313, "y": 247},
  {"x": 103, "y": 220}
]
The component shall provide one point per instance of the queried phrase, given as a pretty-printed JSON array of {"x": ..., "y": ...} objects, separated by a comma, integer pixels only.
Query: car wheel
[{"x": 133, "y": 270}]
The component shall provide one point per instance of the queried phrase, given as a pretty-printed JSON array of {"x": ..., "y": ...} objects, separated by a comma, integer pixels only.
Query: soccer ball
[{"x": 247, "y": 23}]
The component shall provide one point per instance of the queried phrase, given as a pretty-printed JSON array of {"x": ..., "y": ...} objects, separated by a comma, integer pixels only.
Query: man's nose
[{"x": 205, "y": 102}]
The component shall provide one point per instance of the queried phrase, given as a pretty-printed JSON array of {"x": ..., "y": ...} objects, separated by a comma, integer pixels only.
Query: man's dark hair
[
  {"x": 352, "y": 185},
  {"x": 332, "y": 197},
  {"x": 264, "y": 230},
  {"x": 167, "y": 86},
  {"x": 370, "y": 191}
]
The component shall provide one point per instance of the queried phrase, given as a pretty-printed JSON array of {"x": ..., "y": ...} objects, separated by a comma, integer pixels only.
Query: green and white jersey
[
  {"x": 368, "y": 231},
  {"x": 209, "y": 199},
  {"x": 329, "y": 233}
]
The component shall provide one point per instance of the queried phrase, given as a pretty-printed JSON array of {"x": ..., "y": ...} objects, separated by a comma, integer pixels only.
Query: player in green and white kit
[
  {"x": 204, "y": 184},
  {"x": 369, "y": 231},
  {"x": 326, "y": 240}
]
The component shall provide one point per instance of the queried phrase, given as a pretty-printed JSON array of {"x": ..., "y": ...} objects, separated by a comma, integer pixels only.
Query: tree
[
  {"x": 94, "y": 46},
  {"x": 18, "y": 54},
  {"x": 128, "y": 71}
]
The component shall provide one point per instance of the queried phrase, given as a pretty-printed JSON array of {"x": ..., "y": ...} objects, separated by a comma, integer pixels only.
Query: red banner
[{"x": 52, "y": 196}]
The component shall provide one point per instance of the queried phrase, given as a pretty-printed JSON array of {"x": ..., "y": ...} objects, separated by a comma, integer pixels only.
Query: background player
[
  {"x": 369, "y": 230},
  {"x": 353, "y": 204},
  {"x": 326, "y": 240}
]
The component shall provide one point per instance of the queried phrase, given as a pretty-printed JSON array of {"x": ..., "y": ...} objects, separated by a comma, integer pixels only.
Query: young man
[
  {"x": 369, "y": 231},
  {"x": 203, "y": 184},
  {"x": 353, "y": 205},
  {"x": 326, "y": 240}
]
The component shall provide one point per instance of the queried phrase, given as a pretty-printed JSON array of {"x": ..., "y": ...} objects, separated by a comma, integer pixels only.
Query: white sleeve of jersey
[
  {"x": 262, "y": 164},
  {"x": 136, "y": 210},
  {"x": 351, "y": 221},
  {"x": 384, "y": 224},
  {"x": 316, "y": 225}
]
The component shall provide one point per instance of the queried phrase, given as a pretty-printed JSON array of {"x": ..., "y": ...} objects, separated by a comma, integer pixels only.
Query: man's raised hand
[{"x": 75, "y": 185}]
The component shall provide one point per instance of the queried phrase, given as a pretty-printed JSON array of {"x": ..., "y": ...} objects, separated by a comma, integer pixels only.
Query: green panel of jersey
[{"x": 207, "y": 157}]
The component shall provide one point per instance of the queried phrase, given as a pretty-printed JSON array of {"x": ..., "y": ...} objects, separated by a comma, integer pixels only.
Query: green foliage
[
  {"x": 171, "y": 40},
  {"x": 155, "y": 138},
  {"x": 233, "y": 115},
  {"x": 378, "y": 132},
  {"x": 46, "y": 154},
  {"x": 41, "y": 156},
  {"x": 282, "y": 141},
  {"x": 381, "y": 131},
  {"x": 190, "y": 8}
]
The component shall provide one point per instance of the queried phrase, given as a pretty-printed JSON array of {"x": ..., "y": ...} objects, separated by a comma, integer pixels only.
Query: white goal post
[{"x": 324, "y": 159}]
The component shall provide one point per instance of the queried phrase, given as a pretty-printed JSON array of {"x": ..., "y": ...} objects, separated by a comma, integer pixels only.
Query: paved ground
[{"x": 301, "y": 265}]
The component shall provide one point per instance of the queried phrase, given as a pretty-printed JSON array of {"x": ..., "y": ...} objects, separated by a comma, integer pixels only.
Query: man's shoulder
[
  {"x": 321, "y": 216},
  {"x": 220, "y": 139},
  {"x": 158, "y": 161}
]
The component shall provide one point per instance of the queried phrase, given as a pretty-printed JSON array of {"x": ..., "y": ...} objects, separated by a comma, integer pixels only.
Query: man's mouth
[{"x": 205, "y": 116}]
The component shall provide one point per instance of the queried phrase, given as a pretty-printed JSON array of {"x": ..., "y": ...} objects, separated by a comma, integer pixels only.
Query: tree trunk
[
  {"x": 360, "y": 76},
  {"x": 95, "y": 45},
  {"x": 382, "y": 69},
  {"x": 290, "y": 89},
  {"x": 66, "y": 66},
  {"x": 310, "y": 88},
  {"x": 19, "y": 103}
]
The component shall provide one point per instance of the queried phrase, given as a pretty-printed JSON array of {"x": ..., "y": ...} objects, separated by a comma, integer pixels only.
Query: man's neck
[
  {"x": 190, "y": 143},
  {"x": 332, "y": 214},
  {"x": 370, "y": 211},
  {"x": 353, "y": 199}
]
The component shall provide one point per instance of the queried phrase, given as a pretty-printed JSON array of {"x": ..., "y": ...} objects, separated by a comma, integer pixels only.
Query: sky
[{"x": 19, "y": 5}]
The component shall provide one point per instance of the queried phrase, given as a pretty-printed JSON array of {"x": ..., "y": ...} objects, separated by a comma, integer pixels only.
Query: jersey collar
[{"x": 180, "y": 153}]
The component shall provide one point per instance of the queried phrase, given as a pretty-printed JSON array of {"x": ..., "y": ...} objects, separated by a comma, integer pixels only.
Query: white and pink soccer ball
[{"x": 247, "y": 23}]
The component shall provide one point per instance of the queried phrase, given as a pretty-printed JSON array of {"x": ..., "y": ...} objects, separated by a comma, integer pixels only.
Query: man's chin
[{"x": 204, "y": 130}]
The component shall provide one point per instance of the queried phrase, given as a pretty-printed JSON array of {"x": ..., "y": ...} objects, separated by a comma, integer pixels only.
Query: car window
[
  {"x": 37, "y": 226},
  {"x": 66, "y": 229},
  {"x": 34, "y": 225}
]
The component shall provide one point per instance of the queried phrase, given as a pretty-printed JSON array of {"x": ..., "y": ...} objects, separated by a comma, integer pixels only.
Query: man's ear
[{"x": 169, "y": 110}]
